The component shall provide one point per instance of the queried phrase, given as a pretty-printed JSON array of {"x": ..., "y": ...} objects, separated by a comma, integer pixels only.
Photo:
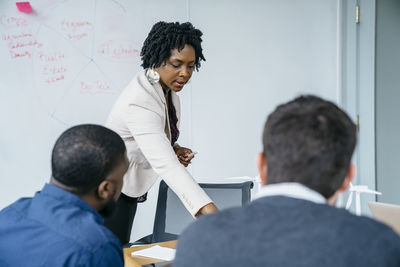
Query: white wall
[{"x": 259, "y": 54}]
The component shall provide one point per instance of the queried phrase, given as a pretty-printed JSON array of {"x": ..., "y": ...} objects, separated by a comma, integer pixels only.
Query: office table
[{"x": 137, "y": 261}]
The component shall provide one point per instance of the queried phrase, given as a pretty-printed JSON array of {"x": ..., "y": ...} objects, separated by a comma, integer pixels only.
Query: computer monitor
[{"x": 172, "y": 217}]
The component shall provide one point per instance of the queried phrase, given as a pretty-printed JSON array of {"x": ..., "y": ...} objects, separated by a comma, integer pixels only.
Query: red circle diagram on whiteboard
[{"x": 85, "y": 59}]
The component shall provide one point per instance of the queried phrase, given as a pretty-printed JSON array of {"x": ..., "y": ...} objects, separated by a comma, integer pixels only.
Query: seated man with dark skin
[
  {"x": 306, "y": 162},
  {"x": 62, "y": 225}
]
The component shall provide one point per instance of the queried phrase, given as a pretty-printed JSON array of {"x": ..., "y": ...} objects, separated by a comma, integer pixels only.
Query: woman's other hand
[
  {"x": 183, "y": 155},
  {"x": 209, "y": 208}
]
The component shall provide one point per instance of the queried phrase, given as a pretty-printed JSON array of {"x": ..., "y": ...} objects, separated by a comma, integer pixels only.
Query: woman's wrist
[{"x": 176, "y": 146}]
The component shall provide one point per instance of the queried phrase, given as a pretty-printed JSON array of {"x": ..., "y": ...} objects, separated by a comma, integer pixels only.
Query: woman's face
[{"x": 178, "y": 68}]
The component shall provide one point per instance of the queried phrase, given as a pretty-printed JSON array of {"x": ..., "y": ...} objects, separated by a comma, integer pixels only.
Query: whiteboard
[
  {"x": 62, "y": 65},
  {"x": 67, "y": 62}
]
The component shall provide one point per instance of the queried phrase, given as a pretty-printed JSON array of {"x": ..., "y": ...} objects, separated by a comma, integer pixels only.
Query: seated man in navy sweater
[
  {"x": 306, "y": 163},
  {"x": 62, "y": 224}
]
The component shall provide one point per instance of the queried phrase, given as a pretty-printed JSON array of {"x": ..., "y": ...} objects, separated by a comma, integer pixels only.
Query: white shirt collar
[{"x": 294, "y": 190}]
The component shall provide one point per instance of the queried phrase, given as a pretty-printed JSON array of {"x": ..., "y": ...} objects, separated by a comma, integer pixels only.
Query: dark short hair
[
  {"x": 84, "y": 155},
  {"x": 310, "y": 141},
  {"x": 164, "y": 37}
]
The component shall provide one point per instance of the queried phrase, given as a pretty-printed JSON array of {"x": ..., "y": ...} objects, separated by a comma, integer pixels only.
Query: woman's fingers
[
  {"x": 184, "y": 163},
  {"x": 186, "y": 157},
  {"x": 183, "y": 156}
]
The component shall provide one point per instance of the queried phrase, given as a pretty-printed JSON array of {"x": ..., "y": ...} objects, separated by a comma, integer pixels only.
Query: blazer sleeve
[{"x": 147, "y": 128}]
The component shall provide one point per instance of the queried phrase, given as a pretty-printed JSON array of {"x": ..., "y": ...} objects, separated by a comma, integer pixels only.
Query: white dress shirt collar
[{"x": 294, "y": 190}]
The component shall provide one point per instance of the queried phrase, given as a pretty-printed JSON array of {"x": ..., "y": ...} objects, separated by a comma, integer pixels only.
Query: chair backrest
[{"x": 172, "y": 217}]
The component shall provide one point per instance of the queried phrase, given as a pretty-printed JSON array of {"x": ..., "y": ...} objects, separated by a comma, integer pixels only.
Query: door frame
[{"x": 358, "y": 88}]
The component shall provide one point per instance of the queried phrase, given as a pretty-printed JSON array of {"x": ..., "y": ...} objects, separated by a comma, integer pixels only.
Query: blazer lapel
[
  {"x": 159, "y": 93},
  {"x": 154, "y": 89}
]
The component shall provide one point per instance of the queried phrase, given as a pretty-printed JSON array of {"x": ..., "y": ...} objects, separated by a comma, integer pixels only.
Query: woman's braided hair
[{"x": 165, "y": 37}]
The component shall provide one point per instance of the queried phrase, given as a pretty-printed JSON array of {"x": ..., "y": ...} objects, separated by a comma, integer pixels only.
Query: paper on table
[{"x": 156, "y": 252}]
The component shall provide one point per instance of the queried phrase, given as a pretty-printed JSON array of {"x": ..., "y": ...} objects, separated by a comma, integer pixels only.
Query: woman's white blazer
[{"x": 140, "y": 117}]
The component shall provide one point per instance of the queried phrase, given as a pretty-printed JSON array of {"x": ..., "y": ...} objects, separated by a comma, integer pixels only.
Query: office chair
[{"x": 172, "y": 217}]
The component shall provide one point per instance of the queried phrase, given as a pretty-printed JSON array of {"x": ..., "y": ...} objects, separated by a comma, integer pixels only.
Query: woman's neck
[{"x": 164, "y": 87}]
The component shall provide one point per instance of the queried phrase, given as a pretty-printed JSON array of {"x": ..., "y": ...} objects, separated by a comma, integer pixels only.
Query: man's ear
[
  {"x": 105, "y": 190},
  {"x": 351, "y": 173},
  {"x": 262, "y": 167}
]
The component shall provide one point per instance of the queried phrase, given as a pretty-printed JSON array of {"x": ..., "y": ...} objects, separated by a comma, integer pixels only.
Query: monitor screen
[{"x": 177, "y": 217}]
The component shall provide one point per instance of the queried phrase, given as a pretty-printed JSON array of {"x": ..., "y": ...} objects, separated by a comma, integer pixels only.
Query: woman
[{"x": 146, "y": 115}]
